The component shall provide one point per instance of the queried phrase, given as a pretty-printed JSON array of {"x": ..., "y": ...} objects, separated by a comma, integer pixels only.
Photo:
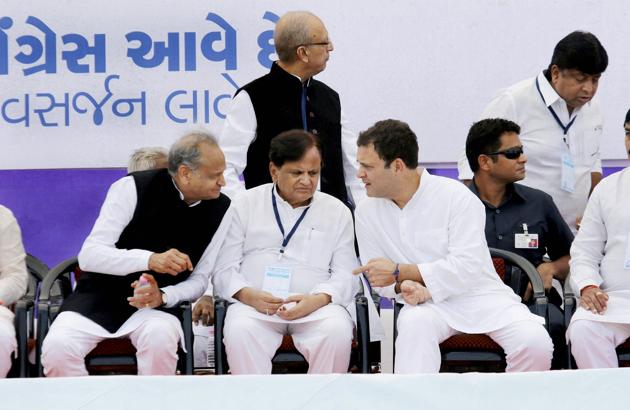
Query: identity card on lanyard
[
  {"x": 277, "y": 281},
  {"x": 567, "y": 181}
]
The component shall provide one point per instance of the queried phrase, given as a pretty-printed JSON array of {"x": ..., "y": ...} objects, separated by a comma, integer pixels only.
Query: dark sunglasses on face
[{"x": 510, "y": 153}]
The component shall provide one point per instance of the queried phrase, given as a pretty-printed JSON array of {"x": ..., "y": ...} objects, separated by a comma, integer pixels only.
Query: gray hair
[
  {"x": 187, "y": 151},
  {"x": 146, "y": 158},
  {"x": 292, "y": 30}
]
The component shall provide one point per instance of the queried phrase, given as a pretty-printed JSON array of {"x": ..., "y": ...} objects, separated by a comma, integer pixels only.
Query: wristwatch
[{"x": 164, "y": 299}]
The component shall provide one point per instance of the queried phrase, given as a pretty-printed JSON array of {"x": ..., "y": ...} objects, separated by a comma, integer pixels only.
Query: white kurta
[
  {"x": 542, "y": 139},
  {"x": 601, "y": 248},
  {"x": 441, "y": 229},
  {"x": 239, "y": 130},
  {"x": 320, "y": 254},
  {"x": 13, "y": 280}
]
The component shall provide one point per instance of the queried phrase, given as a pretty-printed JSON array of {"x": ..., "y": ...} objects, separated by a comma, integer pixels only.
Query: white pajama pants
[
  {"x": 593, "y": 343},
  {"x": 251, "y": 342},
  {"x": 527, "y": 344},
  {"x": 72, "y": 336},
  {"x": 7, "y": 344}
]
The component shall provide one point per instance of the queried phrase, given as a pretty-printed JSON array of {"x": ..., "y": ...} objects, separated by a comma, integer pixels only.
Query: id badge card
[
  {"x": 526, "y": 241},
  {"x": 626, "y": 263},
  {"x": 567, "y": 182},
  {"x": 277, "y": 281}
]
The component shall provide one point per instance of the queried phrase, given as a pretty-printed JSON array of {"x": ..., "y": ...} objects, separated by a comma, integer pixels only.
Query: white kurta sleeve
[
  {"x": 99, "y": 252},
  {"x": 369, "y": 247},
  {"x": 13, "y": 275},
  {"x": 340, "y": 285},
  {"x": 239, "y": 130},
  {"x": 197, "y": 283},
  {"x": 502, "y": 106},
  {"x": 350, "y": 166},
  {"x": 587, "y": 249},
  {"x": 227, "y": 279},
  {"x": 467, "y": 254}
]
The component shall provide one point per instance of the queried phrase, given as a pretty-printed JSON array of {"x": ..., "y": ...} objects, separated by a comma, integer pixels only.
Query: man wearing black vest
[
  {"x": 289, "y": 98},
  {"x": 163, "y": 227}
]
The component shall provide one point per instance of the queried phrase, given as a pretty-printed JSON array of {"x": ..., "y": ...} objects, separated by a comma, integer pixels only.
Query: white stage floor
[{"x": 568, "y": 389}]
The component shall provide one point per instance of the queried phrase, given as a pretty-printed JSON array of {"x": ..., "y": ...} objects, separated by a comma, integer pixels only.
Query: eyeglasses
[
  {"x": 510, "y": 153},
  {"x": 323, "y": 43}
]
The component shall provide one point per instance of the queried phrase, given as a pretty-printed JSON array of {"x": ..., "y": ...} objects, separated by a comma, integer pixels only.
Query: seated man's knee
[
  {"x": 159, "y": 334},
  {"x": 57, "y": 349},
  {"x": 417, "y": 323},
  {"x": 238, "y": 329},
  {"x": 337, "y": 329},
  {"x": 581, "y": 331}
]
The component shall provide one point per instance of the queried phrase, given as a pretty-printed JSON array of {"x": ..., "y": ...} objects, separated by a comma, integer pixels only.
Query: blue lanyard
[
  {"x": 285, "y": 239},
  {"x": 303, "y": 106},
  {"x": 564, "y": 128}
]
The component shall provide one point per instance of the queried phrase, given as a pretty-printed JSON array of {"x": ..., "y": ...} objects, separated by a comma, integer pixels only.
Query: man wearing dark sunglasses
[
  {"x": 561, "y": 125},
  {"x": 519, "y": 219}
]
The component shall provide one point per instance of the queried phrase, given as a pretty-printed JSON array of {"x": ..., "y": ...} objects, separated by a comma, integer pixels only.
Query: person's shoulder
[
  {"x": 323, "y": 86},
  {"x": 529, "y": 193},
  {"x": 257, "y": 82},
  {"x": 330, "y": 203},
  {"x": 521, "y": 88},
  {"x": 6, "y": 216}
]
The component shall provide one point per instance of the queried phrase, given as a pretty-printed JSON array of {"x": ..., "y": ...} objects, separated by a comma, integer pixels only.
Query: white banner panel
[{"x": 83, "y": 83}]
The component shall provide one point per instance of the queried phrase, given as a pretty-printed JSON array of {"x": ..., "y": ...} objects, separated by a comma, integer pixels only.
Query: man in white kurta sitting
[
  {"x": 13, "y": 279},
  {"x": 287, "y": 263},
  {"x": 423, "y": 235},
  {"x": 163, "y": 226},
  {"x": 600, "y": 272}
]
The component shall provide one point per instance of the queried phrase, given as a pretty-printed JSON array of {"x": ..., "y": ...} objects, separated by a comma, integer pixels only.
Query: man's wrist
[
  {"x": 586, "y": 288},
  {"x": 164, "y": 298}
]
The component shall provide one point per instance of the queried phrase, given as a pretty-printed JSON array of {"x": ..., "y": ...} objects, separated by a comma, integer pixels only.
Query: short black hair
[
  {"x": 485, "y": 136},
  {"x": 581, "y": 51},
  {"x": 289, "y": 146},
  {"x": 392, "y": 139},
  {"x": 627, "y": 118}
]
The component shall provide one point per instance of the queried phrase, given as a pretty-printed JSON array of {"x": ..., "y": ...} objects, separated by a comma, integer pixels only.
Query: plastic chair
[
  {"x": 111, "y": 355},
  {"x": 25, "y": 315}
]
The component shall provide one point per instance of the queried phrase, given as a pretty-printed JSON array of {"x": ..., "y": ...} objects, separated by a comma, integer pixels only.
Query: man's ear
[
  {"x": 184, "y": 173},
  {"x": 484, "y": 162},
  {"x": 273, "y": 171}
]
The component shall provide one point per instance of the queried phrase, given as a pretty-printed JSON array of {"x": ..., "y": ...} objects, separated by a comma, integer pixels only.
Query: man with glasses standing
[
  {"x": 519, "y": 219},
  {"x": 286, "y": 98},
  {"x": 560, "y": 125}
]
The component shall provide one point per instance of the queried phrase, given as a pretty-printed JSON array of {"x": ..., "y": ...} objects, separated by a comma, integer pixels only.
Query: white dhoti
[
  {"x": 526, "y": 343},
  {"x": 154, "y": 334},
  {"x": 7, "y": 340},
  {"x": 251, "y": 339}
]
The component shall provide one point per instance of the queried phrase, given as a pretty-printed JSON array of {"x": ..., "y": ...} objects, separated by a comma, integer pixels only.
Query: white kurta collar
[
  {"x": 181, "y": 196},
  {"x": 552, "y": 98}
]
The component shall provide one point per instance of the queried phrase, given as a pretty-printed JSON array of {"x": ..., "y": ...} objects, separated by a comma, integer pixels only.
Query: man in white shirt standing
[
  {"x": 289, "y": 97},
  {"x": 13, "y": 279},
  {"x": 162, "y": 226},
  {"x": 600, "y": 264},
  {"x": 287, "y": 263},
  {"x": 423, "y": 236},
  {"x": 561, "y": 124}
]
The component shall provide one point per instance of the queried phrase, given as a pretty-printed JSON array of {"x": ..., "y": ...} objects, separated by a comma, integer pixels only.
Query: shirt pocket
[{"x": 587, "y": 145}]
